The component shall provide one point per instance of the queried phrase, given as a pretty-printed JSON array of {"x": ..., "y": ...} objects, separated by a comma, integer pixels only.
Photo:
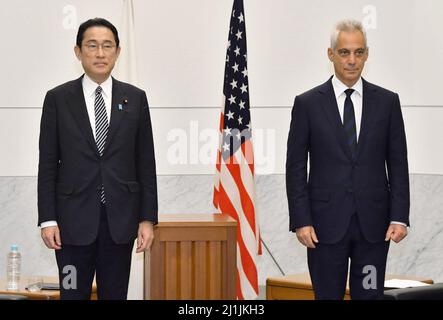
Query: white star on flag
[
  {"x": 238, "y": 34},
  {"x": 240, "y": 18}
]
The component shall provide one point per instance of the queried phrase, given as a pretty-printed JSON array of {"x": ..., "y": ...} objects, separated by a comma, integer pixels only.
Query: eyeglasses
[
  {"x": 344, "y": 53},
  {"x": 93, "y": 46}
]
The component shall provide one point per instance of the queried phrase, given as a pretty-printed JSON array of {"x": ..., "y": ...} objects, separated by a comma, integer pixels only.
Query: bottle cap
[{"x": 14, "y": 248}]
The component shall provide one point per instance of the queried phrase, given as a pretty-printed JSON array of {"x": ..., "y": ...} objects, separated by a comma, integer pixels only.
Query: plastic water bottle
[{"x": 13, "y": 270}]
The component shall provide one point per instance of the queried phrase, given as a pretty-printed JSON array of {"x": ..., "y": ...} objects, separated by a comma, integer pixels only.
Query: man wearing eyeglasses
[
  {"x": 97, "y": 188},
  {"x": 356, "y": 197}
]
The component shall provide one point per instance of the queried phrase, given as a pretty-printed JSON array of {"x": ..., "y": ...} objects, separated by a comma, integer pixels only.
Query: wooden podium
[{"x": 192, "y": 257}]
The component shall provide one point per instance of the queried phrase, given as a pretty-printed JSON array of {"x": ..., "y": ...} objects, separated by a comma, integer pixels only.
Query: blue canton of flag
[{"x": 237, "y": 117}]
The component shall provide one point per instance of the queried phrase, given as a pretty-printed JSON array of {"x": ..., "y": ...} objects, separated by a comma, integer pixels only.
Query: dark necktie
[
  {"x": 101, "y": 127},
  {"x": 349, "y": 122}
]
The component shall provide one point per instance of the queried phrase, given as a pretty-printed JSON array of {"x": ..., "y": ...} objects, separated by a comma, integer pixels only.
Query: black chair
[
  {"x": 431, "y": 292},
  {"x": 13, "y": 297}
]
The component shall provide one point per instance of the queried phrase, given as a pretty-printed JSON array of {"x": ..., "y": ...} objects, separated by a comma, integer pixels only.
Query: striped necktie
[
  {"x": 101, "y": 127},
  {"x": 349, "y": 122}
]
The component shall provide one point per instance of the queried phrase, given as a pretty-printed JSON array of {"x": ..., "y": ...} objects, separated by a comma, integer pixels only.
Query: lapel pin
[{"x": 120, "y": 107}]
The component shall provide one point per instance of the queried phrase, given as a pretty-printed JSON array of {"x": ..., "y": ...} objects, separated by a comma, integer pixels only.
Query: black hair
[{"x": 96, "y": 22}]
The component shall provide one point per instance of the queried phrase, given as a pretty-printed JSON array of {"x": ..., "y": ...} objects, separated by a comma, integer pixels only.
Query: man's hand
[
  {"x": 307, "y": 236},
  {"x": 145, "y": 236},
  {"x": 396, "y": 232},
  {"x": 51, "y": 237}
]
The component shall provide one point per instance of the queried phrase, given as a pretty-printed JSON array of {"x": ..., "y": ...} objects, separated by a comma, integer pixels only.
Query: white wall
[
  {"x": 19, "y": 145},
  {"x": 181, "y": 50}
]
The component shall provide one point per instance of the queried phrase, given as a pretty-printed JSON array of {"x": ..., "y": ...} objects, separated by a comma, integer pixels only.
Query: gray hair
[{"x": 347, "y": 26}]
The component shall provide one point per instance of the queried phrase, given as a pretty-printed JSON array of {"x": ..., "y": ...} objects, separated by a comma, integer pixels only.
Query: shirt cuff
[
  {"x": 397, "y": 222},
  {"x": 46, "y": 224}
]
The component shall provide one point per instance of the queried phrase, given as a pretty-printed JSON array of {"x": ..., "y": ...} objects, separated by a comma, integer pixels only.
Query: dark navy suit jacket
[
  {"x": 374, "y": 184},
  {"x": 71, "y": 171}
]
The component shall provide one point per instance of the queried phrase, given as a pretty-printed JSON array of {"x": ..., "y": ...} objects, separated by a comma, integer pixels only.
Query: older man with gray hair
[{"x": 356, "y": 196}]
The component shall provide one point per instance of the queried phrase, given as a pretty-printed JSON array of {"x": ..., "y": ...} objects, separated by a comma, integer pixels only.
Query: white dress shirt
[
  {"x": 89, "y": 87},
  {"x": 357, "y": 100}
]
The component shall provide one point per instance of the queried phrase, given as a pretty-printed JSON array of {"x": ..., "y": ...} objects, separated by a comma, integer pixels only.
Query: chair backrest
[{"x": 431, "y": 292}]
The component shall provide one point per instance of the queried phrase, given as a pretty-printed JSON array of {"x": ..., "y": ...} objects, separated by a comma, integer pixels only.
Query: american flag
[{"x": 234, "y": 190}]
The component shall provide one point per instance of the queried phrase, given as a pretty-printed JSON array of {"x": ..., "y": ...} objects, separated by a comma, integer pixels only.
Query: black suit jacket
[
  {"x": 71, "y": 170},
  {"x": 374, "y": 184}
]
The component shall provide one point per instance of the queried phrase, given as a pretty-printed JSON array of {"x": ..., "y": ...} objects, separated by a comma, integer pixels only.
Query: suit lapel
[
  {"x": 77, "y": 107},
  {"x": 368, "y": 109},
  {"x": 117, "y": 114},
  {"x": 329, "y": 104}
]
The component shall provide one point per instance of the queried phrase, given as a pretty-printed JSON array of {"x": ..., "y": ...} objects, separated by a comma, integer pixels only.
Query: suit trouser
[
  {"x": 328, "y": 266},
  {"x": 110, "y": 262}
]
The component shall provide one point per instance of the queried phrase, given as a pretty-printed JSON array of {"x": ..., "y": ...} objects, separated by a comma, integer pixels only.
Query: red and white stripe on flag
[{"x": 234, "y": 194}]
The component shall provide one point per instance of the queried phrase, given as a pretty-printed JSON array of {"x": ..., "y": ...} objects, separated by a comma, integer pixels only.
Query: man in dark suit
[
  {"x": 97, "y": 188},
  {"x": 356, "y": 198}
]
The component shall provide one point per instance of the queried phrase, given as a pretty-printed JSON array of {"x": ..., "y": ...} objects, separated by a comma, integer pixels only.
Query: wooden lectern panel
[{"x": 192, "y": 257}]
